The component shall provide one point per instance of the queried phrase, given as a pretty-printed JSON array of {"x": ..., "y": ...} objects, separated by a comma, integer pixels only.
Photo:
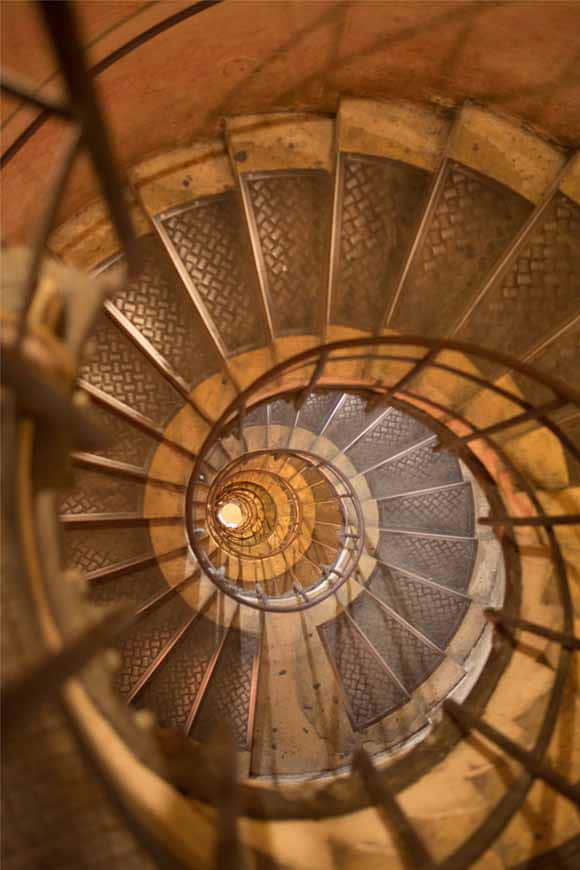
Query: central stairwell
[{"x": 306, "y": 561}]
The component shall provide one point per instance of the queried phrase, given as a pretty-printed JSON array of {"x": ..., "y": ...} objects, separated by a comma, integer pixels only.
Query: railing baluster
[
  {"x": 46, "y": 678},
  {"x": 113, "y": 467},
  {"x": 414, "y": 854},
  {"x": 61, "y": 23},
  {"x": 303, "y": 394},
  {"x": 569, "y": 641},
  {"x": 44, "y": 229},
  {"x": 208, "y": 675},
  {"x": 160, "y": 658},
  {"x": 452, "y": 441},
  {"x": 468, "y": 721},
  {"x": 545, "y": 520},
  {"x": 18, "y": 87},
  {"x": 411, "y": 375},
  {"x": 119, "y": 520}
]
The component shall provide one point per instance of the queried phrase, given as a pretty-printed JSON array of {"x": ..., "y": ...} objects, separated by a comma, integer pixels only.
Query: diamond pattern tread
[
  {"x": 437, "y": 614},
  {"x": 255, "y": 416},
  {"x": 350, "y": 419},
  {"x": 316, "y": 410},
  {"x": 171, "y": 691},
  {"x": 135, "y": 587},
  {"x": 229, "y": 692},
  {"x": 370, "y": 693},
  {"x": 119, "y": 369},
  {"x": 410, "y": 659},
  {"x": 92, "y": 549},
  {"x": 474, "y": 220},
  {"x": 445, "y": 561},
  {"x": 418, "y": 469},
  {"x": 93, "y": 492},
  {"x": 539, "y": 292},
  {"x": 445, "y": 511},
  {"x": 126, "y": 443},
  {"x": 572, "y": 430},
  {"x": 560, "y": 359},
  {"x": 290, "y": 214},
  {"x": 144, "y": 641},
  {"x": 157, "y": 303},
  {"x": 282, "y": 413},
  {"x": 381, "y": 205},
  {"x": 209, "y": 239},
  {"x": 391, "y": 434}
]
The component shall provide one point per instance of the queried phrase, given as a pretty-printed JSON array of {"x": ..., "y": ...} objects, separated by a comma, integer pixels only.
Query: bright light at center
[{"x": 230, "y": 515}]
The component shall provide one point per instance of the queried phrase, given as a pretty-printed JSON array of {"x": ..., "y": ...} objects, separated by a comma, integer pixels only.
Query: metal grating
[
  {"x": 409, "y": 658},
  {"x": 290, "y": 214},
  {"x": 381, "y": 204},
  {"x": 449, "y": 562},
  {"x": 539, "y": 292},
  {"x": 474, "y": 220},
  {"x": 93, "y": 492},
  {"x": 446, "y": 511},
  {"x": 119, "y": 369},
  {"x": 418, "y": 469},
  {"x": 209, "y": 239},
  {"x": 229, "y": 693},
  {"x": 436, "y": 613},
  {"x": 369, "y": 691},
  {"x": 172, "y": 690},
  {"x": 159, "y": 306}
]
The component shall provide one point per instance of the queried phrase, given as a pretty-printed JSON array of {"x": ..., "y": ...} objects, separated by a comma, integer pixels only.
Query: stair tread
[
  {"x": 381, "y": 201},
  {"x": 445, "y": 511},
  {"x": 449, "y": 562},
  {"x": 157, "y": 304},
  {"x": 370, "y": 692},
  {"x": 208, "y": 238},
  {"x": 436, "y": 613},
  {"x": 417, "y": 469},
  {"x": 473, "y": 221}
]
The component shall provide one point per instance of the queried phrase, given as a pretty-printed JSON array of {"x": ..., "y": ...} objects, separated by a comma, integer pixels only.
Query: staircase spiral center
[
  {"x": 231, "y": 515},
  {"x": 276, "y": 529}
]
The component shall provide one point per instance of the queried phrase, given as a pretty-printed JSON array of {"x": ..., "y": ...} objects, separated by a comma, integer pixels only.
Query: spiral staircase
[{"x": 317, "y": 494}]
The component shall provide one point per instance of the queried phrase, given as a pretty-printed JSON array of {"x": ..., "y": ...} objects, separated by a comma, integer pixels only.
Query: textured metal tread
[
  {"x": 172, "y": 689},
  {"x": 135, "y": 587},
  {"x": 392, "y": 433},
  {"x": 93, "y": 549},
  {"x": 157, "y": 304},
  {"x": 444, "y": 511},
  {"x": 350, "y": 419},
  {"x": 410, "y": 658},
  {"x": 418, "y": 468},
  {"x": 209, "y": 238},
  {"x": 380, "y": 204},
  {"x": 540, "y": 290},
  {"x": 229, "y": 692},
  {"x": 142, "y": 643},
  {"x": 473, "y": 221},
  {"x": 288, "y": 217},
  {"x": 449, "y": 562},
  {"x": 125, "y": 443},
  {"x": 95, "y": 492},
  {"x": 116, "y": 367},
  {"x": 436, "y": 613},
  {"x": 369, "y": 691},
  {"x": 316, "y": 410}
]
